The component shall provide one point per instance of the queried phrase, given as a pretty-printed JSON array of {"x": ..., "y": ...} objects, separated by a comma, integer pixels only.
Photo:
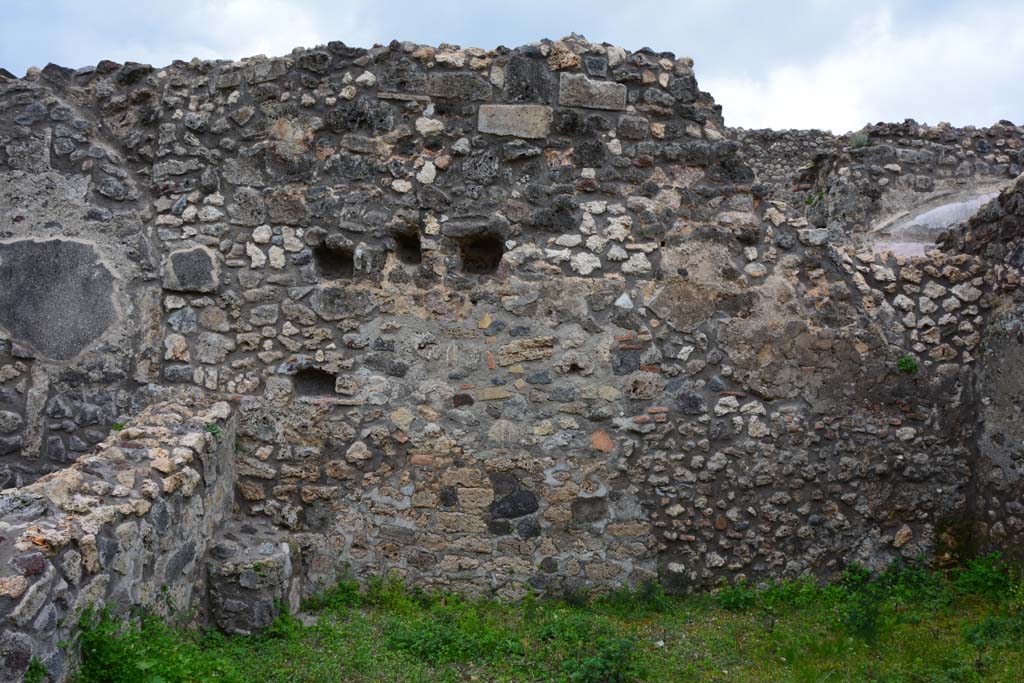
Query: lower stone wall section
[
  {"x": 253, "y": 574},
  {"x": 127, "y": 525},
  {"x": 997, "y": 520}
]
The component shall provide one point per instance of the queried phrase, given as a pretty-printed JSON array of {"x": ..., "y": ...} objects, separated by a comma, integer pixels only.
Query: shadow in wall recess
[
  {"x": 334, "y": 264},
  {"x": 481, "y": 254},
  {"x": 314, "y": 382},
  {"x": 408, "y": 248}
]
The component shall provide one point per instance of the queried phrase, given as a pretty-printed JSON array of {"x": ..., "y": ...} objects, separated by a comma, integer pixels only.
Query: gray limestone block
[
  {"x": 15, "y": 654},
  {"x": 248, "y": 207},
  {"x": 519, "y": 120},
  {"x": 462, "y": 86},
  {"x": 471, "y": 226},
  {"x": 10, "y": 444},
  {"x": 576, "y": 90},
  {"x": 9, "y": 422},
  {"x": 814, "y": 237}
]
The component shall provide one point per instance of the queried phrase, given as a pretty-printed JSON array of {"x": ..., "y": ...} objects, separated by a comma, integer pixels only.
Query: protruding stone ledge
[
  {"x": 402, "y": 96},
  {"x": 519, "y": 120},
  {"x": 576, "y": 90}
]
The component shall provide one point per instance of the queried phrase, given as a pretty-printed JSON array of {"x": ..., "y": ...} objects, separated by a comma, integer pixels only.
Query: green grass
[
  {"x": 909, "y": 625},
  {"x": 36, "y": 672}
]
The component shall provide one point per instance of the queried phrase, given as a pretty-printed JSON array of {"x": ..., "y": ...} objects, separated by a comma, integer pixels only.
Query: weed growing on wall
[
  {"x": 858, "y": 140},
  {"x": 907, "y": 365}
]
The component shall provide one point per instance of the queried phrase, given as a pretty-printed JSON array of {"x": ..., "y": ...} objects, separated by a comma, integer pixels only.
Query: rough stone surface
[
  {"x": 128, "y": 524},
  {"x": 495, "y": 321},
  {"x": 576, "y": 90},
  {"x": 191, "y": 270},
  {"x": 251, "y": 578},
  {"x": 56, "y": 296},
  {"x": 520, "y": 120}
]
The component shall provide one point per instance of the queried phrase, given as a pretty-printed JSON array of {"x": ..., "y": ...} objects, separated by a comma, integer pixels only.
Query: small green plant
[
  {"x": 612, "y": 662},
  {"x": 343, "y": 596},
  {"x": 212, "y": 428},
  {"x": 576, "y": 596},
  {"x": 117, "y": 426},
  {"x": 861, "y": 602},
  {"x": 907, "y": 364},
  {"x": 649, "y": 597},
  {"x": 861, "y": 615},
  {"x": 36, "y": 672},
  {"x": 911, "y": 583},
  {"x": 814, "y": 198},
  {"x": 284, "y": 627},
  {"x": 1017, "y": 593},
  {"x": 772, "y": 598},
  {"x": 992, "y": 632},
  {"x": 738, "y": 597},
  {"x": 391, "y": 593},
  {"x": 454, "y": 632},
  {"x": 986, "y": 576},
  {"x": 858, "y": 140},
  {"x": 798, "y": 593}
]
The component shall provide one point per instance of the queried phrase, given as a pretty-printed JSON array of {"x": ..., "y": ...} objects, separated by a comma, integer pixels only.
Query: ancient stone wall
[
  {"x": 785, "y": 161},
  {"x": 127, "y": 524},
  {"x": 508, "y": 319},
  {"x": 870, "y": 187},
  {"x": 77, "y": 287},
  {"x": 997, "y": 233}
]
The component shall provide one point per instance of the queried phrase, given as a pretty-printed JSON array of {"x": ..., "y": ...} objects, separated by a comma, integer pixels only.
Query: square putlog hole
[
  {"x": 408, "y": 248},
  {"x": 481, "y": 255},
  {"x": 334, "y": 264},
  {"x": 314, "y": 382}
]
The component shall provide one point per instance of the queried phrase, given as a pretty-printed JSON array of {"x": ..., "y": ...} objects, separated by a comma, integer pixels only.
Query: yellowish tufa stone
[
  {"x": 402, "y": 418},
  {"x": 13, "y": 586},
  {"x": 903, "y": 536}
]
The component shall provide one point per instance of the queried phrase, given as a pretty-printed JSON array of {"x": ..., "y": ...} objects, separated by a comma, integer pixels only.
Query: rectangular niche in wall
[
  {"x": 314, "y": 382},
  {"x": 408, "y": 248},
  {"x": 334, "y": 263},
  {"x": 481, "y": 254}
]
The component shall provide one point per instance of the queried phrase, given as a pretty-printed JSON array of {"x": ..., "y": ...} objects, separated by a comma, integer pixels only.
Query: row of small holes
[{"x": 480, "y": 255}]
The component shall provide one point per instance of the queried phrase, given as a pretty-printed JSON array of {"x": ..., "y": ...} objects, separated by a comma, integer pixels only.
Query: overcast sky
[{"x": 832, "y": 64}]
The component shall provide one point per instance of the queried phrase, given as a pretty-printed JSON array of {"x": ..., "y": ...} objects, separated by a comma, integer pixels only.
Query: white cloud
[
  {"x": 965, "y": 68},
  {"x": 160, "y": 31},
  {"x": 242, "y": 28},
  {"x": 247, "y": 27}
]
